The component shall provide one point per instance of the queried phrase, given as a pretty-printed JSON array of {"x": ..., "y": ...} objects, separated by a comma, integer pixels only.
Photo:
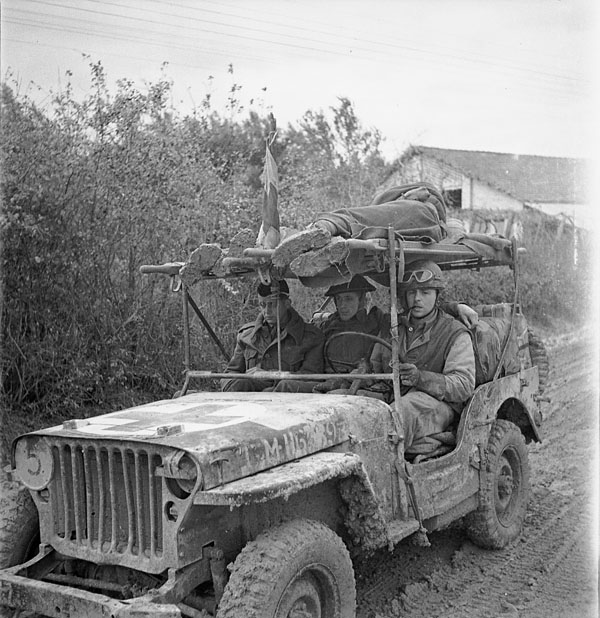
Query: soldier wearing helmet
[{"x": 437, "y": 362}]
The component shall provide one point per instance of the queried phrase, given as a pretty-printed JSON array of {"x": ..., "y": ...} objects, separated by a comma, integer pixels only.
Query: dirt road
[{"x": 551, "y": 571}]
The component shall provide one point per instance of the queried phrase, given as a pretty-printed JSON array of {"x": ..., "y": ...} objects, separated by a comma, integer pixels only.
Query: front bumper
[{"x": 57, "y": 601}]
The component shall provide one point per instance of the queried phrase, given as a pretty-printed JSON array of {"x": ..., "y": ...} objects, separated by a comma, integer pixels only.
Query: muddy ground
[{"x": 552, "y": 570}]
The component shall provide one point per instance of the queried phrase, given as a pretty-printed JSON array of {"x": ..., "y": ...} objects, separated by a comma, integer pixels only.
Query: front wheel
[
  {"x": 300, "y": 569},
  {"x": 504, "y": 489},
  {"x": 19, "y": 527}
]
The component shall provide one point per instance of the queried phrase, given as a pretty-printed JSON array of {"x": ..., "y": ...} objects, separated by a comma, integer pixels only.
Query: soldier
[
  {"x": 344, "y": 353},
  {"x": 257, "y": 349},
  {"x": 437, "y": 368}
]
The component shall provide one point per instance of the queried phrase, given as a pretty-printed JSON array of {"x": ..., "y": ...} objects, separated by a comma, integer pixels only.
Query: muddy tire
[
  {"x": 539, "y": 358},
  {"x": 19, "y": 527},
  {"x": 504, "y": 489},
  {"x": 300, "y": 568}
]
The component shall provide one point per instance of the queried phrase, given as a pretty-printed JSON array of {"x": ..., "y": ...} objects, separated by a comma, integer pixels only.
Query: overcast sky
[{"x": 496, "y": 75}]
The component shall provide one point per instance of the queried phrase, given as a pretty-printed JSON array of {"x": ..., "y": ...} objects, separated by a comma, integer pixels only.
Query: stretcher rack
[{"x": 381, "y": 259}]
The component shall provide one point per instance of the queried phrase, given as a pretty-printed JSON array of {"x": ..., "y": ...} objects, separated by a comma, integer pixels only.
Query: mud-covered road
[{"x": 551, "y": 571}]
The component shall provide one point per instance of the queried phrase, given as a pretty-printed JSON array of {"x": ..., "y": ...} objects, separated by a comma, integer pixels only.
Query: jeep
[{"x": 256, "y": 504}]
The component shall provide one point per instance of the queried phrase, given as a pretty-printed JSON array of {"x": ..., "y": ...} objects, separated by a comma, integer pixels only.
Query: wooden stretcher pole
[
  {"x": 401, "y": 465},
  {"x": 278, "y": 336},
  {"x": 394, "y": 323}
]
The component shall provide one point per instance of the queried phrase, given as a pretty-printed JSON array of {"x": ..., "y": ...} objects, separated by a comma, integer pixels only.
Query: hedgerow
[{"x": 93, "y": 189}]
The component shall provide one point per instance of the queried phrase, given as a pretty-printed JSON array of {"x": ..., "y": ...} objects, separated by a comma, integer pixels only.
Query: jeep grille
[{"x": 107, "y": 498}]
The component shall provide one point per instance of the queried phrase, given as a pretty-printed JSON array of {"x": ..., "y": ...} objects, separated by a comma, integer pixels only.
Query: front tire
[
  {"x": 300, "y": 569},
  {"x": 504, "y": 489},
  {"x": 19, "y": 525},
  {"x": 19, "y": 529}
]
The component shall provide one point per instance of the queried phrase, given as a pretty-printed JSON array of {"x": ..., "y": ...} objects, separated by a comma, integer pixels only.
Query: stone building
[{"x": 492, "y": 185}]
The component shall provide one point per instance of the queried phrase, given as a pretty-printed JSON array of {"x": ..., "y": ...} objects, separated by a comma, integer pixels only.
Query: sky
[{"x": 512, "y": 76}]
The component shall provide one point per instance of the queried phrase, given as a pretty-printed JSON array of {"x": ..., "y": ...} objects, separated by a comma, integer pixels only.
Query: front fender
[
  {"x": 283, "y": 481},
  {"x": 363, "y": 519}
]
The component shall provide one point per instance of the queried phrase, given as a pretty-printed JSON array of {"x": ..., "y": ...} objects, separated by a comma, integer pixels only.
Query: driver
[
  {"x": 344, "y": 353},
  {"x": 437, "y": 362}
]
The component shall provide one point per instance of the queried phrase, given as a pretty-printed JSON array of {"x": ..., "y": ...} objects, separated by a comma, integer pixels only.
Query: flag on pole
[{"x": 268, "y": 236}]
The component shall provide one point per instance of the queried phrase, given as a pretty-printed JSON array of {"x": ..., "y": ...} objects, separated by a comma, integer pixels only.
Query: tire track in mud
[
  {"x": 478, "y": 583},
  {"x": 550, "y": 570},
  {"x": 487, "y": 583}
]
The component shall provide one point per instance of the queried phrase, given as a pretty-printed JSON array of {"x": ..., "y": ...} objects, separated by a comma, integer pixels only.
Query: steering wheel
[{"x": 329, "y": 361}]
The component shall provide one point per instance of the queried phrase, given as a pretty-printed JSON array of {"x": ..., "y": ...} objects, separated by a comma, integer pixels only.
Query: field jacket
[
  {"x": 256, "y": 347},
  {"x": 442, "y": 349}
]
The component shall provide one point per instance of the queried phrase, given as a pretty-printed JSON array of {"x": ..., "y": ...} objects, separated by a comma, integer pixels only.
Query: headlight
[
  {"x": 181, "y": 474},
  {"x": 33, "y": 462}
]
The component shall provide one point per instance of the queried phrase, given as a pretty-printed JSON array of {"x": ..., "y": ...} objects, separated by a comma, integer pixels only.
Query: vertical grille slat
[
  {"x": 113, "y": 501},
  {"x": 129, "y": 502},
  {"x": 152, "y": 495},
  {"x": 101, "y": 496},
  {"x": 139, "y": 503},
  {"x": 62, "y": 454},
  {"x": 76, "y": 484},
  {"x": 89, "y": 495}
]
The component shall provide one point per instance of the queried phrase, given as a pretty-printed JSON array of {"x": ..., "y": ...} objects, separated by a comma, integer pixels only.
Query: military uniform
[
  {"x": 442, "y": 350},
  {"x": 256, "y": 348},
  {"x": 343, "y": 353}
]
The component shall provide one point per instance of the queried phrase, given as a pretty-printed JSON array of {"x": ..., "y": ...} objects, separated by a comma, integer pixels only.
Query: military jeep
[{"x": 256, "y": 504}]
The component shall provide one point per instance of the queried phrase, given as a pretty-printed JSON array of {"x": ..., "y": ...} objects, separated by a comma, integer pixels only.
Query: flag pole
[{"x": 269, "y": 235}]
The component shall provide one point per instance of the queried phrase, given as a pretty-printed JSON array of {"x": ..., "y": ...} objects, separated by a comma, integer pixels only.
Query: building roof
[{"x": 528, "y": 178}]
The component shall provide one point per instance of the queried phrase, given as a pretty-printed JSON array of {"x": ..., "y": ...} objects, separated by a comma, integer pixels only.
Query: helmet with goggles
[{"x": 422, "y": 274}]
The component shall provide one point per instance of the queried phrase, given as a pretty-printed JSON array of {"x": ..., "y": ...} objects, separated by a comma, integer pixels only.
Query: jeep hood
[{"x": 233, "y": 435}]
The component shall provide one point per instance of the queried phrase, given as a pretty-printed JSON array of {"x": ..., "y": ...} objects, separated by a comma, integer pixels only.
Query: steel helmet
[
  {"x": 357, "y": 284},
  {"x": 422, "y": 274},
  {"x": 274, "y": 289}
]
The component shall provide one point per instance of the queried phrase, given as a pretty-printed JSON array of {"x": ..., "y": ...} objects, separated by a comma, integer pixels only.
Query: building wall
[
  {"x": 420, "y": 168},
  {"x": 485, "y": 197},
  {"x": 475, "y": 194}
]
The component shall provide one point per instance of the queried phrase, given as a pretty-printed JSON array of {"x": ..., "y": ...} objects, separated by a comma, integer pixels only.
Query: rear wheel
[
  {"x": 300, "y": 569},
  {"x": 504, "y": 489}
]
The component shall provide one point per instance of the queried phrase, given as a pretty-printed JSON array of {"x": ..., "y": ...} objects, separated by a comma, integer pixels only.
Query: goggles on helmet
[{"x": 420, "y": 276}]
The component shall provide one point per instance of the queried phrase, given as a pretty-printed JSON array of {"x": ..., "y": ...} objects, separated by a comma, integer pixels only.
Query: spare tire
[{"x": 539, "y": 357}]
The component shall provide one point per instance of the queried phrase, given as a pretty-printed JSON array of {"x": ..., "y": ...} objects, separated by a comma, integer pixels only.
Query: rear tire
[
  {"x": 504, "y": 489},
  {"x": 298, "y": 569}
]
